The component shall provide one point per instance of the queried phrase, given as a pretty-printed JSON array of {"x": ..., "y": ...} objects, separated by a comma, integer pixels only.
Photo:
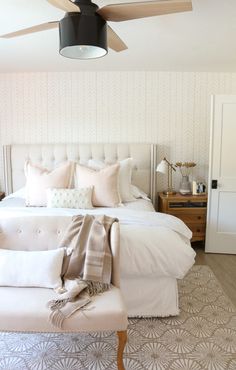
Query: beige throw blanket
[{"x": 87, "y": 265}]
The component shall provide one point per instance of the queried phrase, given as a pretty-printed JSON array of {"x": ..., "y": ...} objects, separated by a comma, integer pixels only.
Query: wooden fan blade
[
  {"x": 65, "y": 5},
  {"x": 127, "y": 11},
  {"x": 114, "y": 41},
  {"x": 26, "y": 31}
]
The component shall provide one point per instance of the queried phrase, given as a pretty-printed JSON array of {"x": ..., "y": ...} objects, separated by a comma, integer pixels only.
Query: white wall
[{"x": 170, "y": 109}]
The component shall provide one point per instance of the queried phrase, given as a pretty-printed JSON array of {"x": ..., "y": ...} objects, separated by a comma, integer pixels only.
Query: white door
[{"x": 221, "y": 218}]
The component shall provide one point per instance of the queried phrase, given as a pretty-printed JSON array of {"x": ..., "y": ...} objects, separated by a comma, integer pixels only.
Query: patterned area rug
[{"x": 203, "y": 337}]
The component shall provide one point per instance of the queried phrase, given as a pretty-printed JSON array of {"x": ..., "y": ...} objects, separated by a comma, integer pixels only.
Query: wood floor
[{"x": 223, "y": 266}]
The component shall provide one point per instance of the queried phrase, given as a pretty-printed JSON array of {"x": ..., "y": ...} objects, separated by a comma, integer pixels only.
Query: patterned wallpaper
[{"x": 171, "y": 109}]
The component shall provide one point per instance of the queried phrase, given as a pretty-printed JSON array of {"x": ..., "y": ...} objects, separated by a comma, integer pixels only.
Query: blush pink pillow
[
  {"x": 104, "y": 182},
  {"x": 39, "y": 179}
]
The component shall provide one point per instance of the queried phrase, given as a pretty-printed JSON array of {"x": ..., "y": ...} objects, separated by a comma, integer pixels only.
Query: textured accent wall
[{"x": 171, "y": 109}]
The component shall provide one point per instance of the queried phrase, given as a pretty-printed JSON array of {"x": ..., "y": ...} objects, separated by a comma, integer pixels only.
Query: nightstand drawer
[
  {"x": 193, "y": 217},
  {"x": 186, "y": 204},
  {"x": 197, "y": 229}
]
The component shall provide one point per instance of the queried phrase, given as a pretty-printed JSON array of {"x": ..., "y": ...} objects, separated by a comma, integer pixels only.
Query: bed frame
[{"x": 50, "y": 155}]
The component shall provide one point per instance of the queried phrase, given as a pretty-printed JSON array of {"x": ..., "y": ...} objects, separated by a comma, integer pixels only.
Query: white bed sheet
[
  {"x": 146, "y": 297},
  {"x": 140, "y": 205},
  {"x": 13, "y": 200}
]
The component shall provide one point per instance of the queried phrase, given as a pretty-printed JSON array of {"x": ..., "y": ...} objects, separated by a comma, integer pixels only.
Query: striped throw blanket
[{"x": 87, "y": 265}]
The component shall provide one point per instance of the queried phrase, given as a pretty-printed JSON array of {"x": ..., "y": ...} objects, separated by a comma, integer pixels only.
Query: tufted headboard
[{"x": 50, "y": 155}]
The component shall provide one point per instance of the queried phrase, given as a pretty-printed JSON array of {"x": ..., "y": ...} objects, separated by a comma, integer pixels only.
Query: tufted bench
[{"x": 25, "y": 309}]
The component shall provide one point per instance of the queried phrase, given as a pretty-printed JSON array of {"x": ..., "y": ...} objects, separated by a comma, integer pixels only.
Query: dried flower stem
[{"x": 185, "y": 167}]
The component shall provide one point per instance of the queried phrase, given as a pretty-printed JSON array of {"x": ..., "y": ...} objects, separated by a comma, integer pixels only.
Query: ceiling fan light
[
  {"x": 83, "y": 36},
  {"x": 83, "y": 52}
]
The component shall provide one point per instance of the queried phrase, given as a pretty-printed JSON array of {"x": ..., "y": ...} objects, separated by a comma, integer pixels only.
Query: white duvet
[{"x": 152, "y": 244}]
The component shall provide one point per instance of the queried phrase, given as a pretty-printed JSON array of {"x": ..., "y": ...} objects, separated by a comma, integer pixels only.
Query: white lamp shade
[{"x": 162, "y": 167}]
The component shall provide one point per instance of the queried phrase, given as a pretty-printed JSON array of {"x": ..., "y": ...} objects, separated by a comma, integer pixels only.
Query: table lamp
[{"x": 166, "y": 167}]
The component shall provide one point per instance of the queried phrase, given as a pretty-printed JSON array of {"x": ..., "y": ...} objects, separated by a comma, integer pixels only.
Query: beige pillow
[
  {"x": 39, "y": 179},
  {"x": 104, "y": 182},
  {"x": 125, "y": 175}
]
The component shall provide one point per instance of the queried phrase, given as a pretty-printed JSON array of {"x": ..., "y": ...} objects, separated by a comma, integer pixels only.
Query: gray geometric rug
[{"x": 202, "y": 337}]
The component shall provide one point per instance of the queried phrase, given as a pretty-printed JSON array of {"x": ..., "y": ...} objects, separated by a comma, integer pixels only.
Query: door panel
[
  {"x": 221, "y": 217},
  {"x": 226, "y": 212},
  {"x": 228, "y": 131}
]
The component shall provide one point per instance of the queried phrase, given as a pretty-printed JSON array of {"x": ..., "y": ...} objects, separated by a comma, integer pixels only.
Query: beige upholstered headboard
[{"x": 50, "y": 155}]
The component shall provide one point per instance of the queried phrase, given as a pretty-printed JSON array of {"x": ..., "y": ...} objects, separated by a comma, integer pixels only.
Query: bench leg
[{"x": 122, "y": 336}]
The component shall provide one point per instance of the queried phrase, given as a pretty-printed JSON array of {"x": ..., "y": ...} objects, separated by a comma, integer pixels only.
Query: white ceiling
[{"x": 201, "y": 40}]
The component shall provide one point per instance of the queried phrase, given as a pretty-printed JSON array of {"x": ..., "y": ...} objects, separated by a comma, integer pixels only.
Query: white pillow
[
  {"x": 125, "y": 180},
  {"x": 96, "y": 164},
  {"x": 125, "y": 174},
  {"x": 31, "y": 268},
  {"x": 138, "y": 193},
  {"x": 70, "y": 198}
]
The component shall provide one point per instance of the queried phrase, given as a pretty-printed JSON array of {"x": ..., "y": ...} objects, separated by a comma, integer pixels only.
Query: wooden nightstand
[
  {"x": 191, "y": 209},
  {"x": 2, "y": 195}
]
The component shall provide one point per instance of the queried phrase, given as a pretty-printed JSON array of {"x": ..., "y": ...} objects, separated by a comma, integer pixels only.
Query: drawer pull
[
  {"x": 199, "y": 217},
  {"x": 198, "y": 230}
]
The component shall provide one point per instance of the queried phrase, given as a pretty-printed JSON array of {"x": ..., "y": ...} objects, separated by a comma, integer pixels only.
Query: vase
[{"x": 185, "y": 185}]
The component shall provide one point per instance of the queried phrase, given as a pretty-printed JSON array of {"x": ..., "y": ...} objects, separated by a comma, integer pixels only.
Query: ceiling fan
[{"x": 84, "y": 33}]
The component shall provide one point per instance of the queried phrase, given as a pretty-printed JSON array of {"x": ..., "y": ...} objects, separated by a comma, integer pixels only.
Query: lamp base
[{"x": 169, "y": 192}]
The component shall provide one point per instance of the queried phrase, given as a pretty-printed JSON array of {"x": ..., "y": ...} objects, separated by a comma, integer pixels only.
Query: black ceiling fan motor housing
[{"x": 85, "y": 28}]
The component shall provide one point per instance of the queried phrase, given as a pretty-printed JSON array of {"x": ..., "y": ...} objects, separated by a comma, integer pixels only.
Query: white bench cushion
[{"x": 25, "y": 309}]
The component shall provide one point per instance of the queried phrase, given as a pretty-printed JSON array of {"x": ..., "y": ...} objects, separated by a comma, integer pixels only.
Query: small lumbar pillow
[
  {"x": 31, "y": 268},
  {"x": 104, "y": 182},
  {"x": 38, "y": 179},
  {"x": 70, "y": 198}
]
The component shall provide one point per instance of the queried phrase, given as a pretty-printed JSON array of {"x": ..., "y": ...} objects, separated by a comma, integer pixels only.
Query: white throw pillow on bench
[{"x": 31, "y": 268}]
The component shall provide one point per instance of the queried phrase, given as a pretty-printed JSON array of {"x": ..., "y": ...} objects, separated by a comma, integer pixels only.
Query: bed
[{"x": 155, "y": 248}]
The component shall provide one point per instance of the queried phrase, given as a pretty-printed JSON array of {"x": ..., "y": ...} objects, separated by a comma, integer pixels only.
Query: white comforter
[{"x": 152, "y": 244}]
